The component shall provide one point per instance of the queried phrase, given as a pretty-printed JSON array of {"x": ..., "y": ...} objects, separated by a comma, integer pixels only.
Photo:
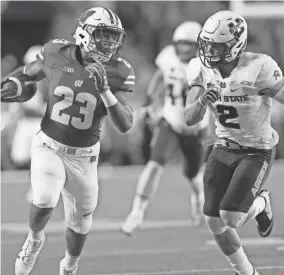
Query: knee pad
[
  {"x": 149, "y": 179},
  {"x": 216, "y": 225},
  {"x": 46, "y": 191},
  {"x": 80, "y": 221},
  {"x": 233, "y": 219}
]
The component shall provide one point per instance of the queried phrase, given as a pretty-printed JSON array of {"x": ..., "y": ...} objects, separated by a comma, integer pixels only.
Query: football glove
[
  {"x": 210, "y": 95},
  {"x": 98, "y": 75}
]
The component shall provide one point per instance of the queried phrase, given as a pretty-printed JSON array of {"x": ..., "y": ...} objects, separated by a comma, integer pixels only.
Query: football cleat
[
  {"x": 27, "y": 256},
  {"x": 264, "y": 220},
  {"x": 133, "y": 221},
  {"x": 64, "y": 271}
]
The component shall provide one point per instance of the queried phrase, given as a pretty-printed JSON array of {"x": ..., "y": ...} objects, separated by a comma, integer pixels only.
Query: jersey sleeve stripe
[
  {"x": 129, "y": 82},
  {"x": 24, "y": 70},
  {"x": 40, "y": 56}
]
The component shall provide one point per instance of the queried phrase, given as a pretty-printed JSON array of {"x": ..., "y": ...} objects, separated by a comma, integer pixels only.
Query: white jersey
[
  {"x": 174, "y": 73},
  {"x": 242, "y": 114}
]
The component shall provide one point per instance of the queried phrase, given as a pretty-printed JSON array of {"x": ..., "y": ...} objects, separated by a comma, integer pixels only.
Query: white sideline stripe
[
  {"x": 104, "y": 172},
  {"x": 113, "y": 173},
  {"x": 254, "y": 241},
  {"x": 193, "y": 271},
  {"x": 98, "y": 225}
]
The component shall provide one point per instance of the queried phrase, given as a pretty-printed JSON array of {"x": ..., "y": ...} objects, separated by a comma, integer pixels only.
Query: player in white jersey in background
[
  {"x": 29, "y": 114},
  {"x": 238, "y": 87},
  {"x": 167, "y": 92}
]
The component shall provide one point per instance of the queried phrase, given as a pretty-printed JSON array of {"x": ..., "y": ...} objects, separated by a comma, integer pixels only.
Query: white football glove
[
  {"x": 210, "y": 95},
  {"x": 98, "y": 74}
]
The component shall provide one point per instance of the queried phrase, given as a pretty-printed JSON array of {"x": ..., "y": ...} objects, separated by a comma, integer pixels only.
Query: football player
[
  {"x": 238, "y": 87},
  {"x": 168, "y": 88},
  {"x": 30, "y": 115},
  {"x": 87, "y": 80}
]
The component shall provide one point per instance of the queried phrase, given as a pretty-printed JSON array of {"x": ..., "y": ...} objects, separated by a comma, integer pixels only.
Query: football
[{"x": 9, "y": 89}]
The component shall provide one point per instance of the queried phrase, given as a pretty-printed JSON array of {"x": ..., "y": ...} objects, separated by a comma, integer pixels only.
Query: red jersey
[{"x": 75, "y": 108}]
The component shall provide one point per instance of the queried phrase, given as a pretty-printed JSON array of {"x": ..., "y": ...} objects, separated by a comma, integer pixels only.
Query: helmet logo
[{"x": 238, "y": 29}]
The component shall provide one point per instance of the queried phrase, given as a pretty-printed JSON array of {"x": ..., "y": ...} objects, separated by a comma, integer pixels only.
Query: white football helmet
[
  {"x": 222, "y": 39},
  {"x": 185, "y": 40},
  {"x": 100, "y": 34}
]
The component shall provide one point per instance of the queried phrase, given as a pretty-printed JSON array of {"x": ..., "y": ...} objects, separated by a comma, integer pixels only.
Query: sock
[
  {"x": 193, "y": 205},
  {"x": 149, "y": 179},
  {"x": 39, "y": 235},
  {"x": 140, "y": 203},
  {"x": 199, "y": 195},
  {"x": 148, "y": 183},
  {"x": 257, "y": 207},
  {"x": 71, "y": 261},
  {"x": 239, "y": 261}
]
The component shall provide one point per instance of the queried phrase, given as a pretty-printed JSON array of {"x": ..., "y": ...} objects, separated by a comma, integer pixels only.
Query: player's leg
[
  {"x": 192, "y": 151},
  {"x": 217, "y": 176},
  {"x": 47, "y": 179},
  {"x": 80, "y": 197},
  {"x": 243, "y": 200},
  {"x": 163, "y": 142}
]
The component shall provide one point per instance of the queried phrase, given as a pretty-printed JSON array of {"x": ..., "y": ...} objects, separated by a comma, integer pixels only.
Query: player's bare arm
[
  {"x": 276, "y": 92},
  {"x": 17, "y": 86},
  {"x": 194, "y": 110},
  {"x": 120, "y": 113}
]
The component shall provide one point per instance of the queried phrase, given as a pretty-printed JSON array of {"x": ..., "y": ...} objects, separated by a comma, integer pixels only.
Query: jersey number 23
[{"x": 86, "y": 112}]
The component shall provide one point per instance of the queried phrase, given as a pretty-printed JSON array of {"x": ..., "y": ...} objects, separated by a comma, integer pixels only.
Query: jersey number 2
[
  {"x": 87, "y": 112},
  {"x": 225, "y": 113}
]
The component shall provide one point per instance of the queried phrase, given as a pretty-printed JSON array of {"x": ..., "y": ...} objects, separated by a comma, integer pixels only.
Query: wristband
[{"x": 108, "y": 98}]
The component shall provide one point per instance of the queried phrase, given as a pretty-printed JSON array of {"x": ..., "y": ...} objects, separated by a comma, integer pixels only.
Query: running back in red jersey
[{"x": 75, "y": 108}]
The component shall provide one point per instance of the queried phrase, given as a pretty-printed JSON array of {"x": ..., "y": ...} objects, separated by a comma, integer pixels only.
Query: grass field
[{"x": 165, "y": 245}]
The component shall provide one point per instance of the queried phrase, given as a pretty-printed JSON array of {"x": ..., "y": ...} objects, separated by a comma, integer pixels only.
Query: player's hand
[
  {"x": 210, "y": 95},
  {"x": 9, "y": 90},
  {"x": 98, "y": 74}
]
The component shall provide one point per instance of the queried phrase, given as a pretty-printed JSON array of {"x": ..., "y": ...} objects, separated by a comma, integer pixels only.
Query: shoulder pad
[
  {"x": 52, "y": 47},
  {"x": 165, "y": 56}
]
